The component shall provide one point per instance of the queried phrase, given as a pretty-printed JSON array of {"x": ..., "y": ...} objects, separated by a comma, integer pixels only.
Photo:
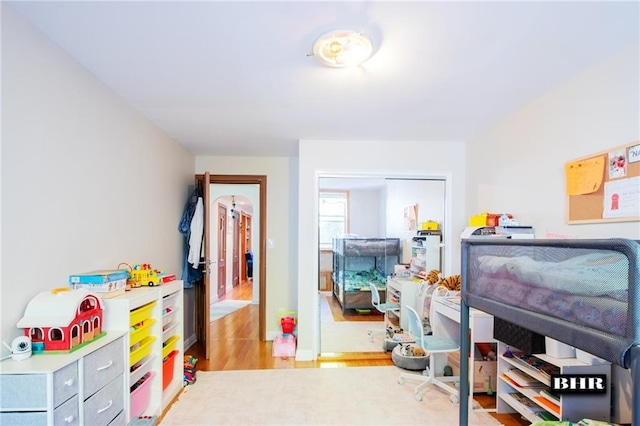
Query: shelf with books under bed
[{"x": 524, "y": 387}]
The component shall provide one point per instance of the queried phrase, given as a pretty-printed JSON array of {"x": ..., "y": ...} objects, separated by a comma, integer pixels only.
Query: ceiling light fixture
[{"x": 343, "y": 48}]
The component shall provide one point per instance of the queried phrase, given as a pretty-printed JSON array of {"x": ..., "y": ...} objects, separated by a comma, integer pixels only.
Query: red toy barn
[{"x": 62, "y": 319}]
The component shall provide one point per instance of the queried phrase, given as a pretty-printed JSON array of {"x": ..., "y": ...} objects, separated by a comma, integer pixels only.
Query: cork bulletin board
[{"x": 604, "y": 187}]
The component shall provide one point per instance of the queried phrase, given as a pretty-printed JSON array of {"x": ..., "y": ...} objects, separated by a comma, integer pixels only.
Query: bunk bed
[
  {"x": 585, "y": 293},
  {"x": 358, "y": 262}
]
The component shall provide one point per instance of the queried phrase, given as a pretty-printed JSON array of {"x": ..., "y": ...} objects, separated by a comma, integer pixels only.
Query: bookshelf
[{"x": 523, "y": 387}]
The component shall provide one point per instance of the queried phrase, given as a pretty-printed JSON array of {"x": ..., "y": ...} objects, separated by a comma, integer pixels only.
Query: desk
[
  {"x": 445, "y": 321},
  {"x": 404, "y": 292}
]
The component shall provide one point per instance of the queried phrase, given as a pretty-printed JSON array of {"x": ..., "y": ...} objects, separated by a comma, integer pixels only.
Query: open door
[{"x": 203, "y": 288}]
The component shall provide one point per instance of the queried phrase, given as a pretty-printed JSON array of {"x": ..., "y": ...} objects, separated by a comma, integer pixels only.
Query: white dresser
[{"x": 85, "y": 387}]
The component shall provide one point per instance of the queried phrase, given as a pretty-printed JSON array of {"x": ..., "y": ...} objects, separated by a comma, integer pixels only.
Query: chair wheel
[
  {"x": 418, "y": 397},
  {"x": 454, "y": 399},
  {"x": 401, "y": 381},
  {"x": 456, "y": 384},
  {"x": 425, "y": 372}
]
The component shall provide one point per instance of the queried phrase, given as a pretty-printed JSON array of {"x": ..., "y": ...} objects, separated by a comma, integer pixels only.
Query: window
[{"x": 333, "y": 217}]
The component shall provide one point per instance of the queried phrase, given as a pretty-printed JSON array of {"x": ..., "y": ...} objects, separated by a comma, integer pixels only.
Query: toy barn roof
[{"x": 54, "y": 308}]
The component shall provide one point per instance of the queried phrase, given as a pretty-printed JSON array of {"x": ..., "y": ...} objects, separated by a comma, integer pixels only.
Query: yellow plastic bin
[
  {"x": 143, "y": 348},
  {"x": 169, "y": 345},
  {"x": 142, "y": 313},
  {"x": 141, "y": 331}
]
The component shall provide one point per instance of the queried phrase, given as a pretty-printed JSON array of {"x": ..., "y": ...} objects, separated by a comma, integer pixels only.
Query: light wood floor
[{"x": 235, "y": 345}]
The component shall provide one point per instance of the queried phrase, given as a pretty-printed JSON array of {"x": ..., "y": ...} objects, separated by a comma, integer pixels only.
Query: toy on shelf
[
  {"x": 144, "y": 275},
  {"x": 106, "y": 283},
  {"x": 62, "y": 320}
]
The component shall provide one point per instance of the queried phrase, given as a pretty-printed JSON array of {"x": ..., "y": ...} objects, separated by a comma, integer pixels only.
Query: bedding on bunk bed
[
  {"x": 359, "y": 280},
  {"x": 588, "y": 289}
]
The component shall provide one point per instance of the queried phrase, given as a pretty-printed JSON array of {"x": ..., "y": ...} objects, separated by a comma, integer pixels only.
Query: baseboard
[
  {"x": 190, "y": 341},
  {"x": 305, "y": 355}
]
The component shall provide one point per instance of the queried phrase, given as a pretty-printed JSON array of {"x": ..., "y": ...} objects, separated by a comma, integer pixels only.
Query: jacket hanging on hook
[{"x": 190, "y": 272}]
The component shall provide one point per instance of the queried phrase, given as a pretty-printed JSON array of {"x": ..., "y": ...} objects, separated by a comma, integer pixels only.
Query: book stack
[
  {"x": 526, "y": 403},
  {"x": 543, "y": 367},
  {"x": 521, "y": 379},
  {"x": 104, "y": 283},
  {"x": 549, "y": 400}
]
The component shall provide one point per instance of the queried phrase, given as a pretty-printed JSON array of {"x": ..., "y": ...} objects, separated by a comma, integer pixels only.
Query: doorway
[
  {"x": 221, "y": 250},
  {"x": 366, "y": 195},
  {"x": 231, "y": 184}
]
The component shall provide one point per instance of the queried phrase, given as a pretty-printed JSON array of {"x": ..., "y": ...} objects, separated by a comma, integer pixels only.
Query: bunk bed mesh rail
[{"x": 584, "y": 293}]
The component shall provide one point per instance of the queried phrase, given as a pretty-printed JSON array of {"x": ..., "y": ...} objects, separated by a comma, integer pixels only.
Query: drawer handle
[
  {"x": 106, "y": 366},
  {"x": 68, "y": 419},
  {"x": 69, "y": 382},
  {"x": 102, "y": 410}
]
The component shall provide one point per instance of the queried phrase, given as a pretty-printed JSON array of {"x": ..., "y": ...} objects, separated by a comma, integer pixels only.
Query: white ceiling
[{"x": 235, "y": 78}]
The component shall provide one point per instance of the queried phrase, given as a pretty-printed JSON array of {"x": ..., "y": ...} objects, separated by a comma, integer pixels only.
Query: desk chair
[
  {"x": 432, "y": 345},
  {"x": 381, "y": 307}
]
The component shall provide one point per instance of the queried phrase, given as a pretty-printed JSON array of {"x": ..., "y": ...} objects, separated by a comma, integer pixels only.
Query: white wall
[
  {"x": 281, "y": 280},
  {"x": 428, "y": 196},
  {"x": 362, "y": 158},
  {"x": 87, "y": 182},
  {"x": 518, "y": 166},
  {"x": 364, "y": 215}
]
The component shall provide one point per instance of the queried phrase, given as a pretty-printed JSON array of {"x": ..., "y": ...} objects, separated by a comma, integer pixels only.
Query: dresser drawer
[
  {"x": 119, "y": 420},
  {"x": 29, "y": 391},
  {"x": 102, "y": 366},
  {"x": 105, "y": 405},
  {"x": 23, "y": 391},
  {"x": 68, "y": 414},
  {"x": 65, "y": 383},
  {"x": 24, "y": 419}
]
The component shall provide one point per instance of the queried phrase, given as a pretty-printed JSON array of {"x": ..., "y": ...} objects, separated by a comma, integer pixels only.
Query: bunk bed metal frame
[{"x": 621, "y": 350}]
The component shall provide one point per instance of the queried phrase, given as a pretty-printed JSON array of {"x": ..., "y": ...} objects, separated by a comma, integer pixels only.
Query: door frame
[
  {"x": 448, "y": 238},
  {"x": 221, "y": 260},
  {"x": 261, "y": 181}
]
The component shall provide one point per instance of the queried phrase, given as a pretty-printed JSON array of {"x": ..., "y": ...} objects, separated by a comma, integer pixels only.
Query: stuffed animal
[
  {"x": 418, "y": 352},
  {"x": 452, "y": 282},
  {"x": 433, "y": 276},
  {"x": 410, "y": 350},
  {"x": 406, "y": 350}
]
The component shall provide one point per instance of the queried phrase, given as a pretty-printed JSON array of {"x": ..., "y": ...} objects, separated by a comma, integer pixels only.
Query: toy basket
[
  {"x": 140, "y": 331},
  {"x": 287, "y": 321},
  {"x": 140, "y": 393},
  {"x": 169, "y": 345},
  {"x": 142, "y": 313},
  {"x": 284, "y": 346},
  {"x": 140, "y": 350},
  {"x": 168, "y": 368}
]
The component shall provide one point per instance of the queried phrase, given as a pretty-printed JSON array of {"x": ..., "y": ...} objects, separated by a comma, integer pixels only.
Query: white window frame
[{"x": 332, "y": 193}]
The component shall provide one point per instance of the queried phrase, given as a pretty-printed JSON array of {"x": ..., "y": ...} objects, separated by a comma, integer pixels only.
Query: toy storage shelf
[
  {"x": 157, "y": 313},
  {"x": 527, "y": 400},
  {"x": 425, "y": 253}
]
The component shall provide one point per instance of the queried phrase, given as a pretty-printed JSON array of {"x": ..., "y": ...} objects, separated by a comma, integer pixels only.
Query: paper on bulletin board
[
  {"x": 584, "y": 176},
  {"x": 622, "y": 198}
]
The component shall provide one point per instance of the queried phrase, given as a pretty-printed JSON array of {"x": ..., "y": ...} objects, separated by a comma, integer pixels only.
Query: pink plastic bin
[
  {"x": 140, "y": 395},
  {"x": 284, "y": 345}
]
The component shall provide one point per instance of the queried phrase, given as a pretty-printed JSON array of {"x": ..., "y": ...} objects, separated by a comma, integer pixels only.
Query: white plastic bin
[{"x": 557, "y": 349}]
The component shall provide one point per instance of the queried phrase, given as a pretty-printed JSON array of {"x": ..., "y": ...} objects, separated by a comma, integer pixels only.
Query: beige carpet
[
  {"x": 351, "y": 336},
  {"x": 348, "y": 336},
  {"x": 312, "y": 396}
]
